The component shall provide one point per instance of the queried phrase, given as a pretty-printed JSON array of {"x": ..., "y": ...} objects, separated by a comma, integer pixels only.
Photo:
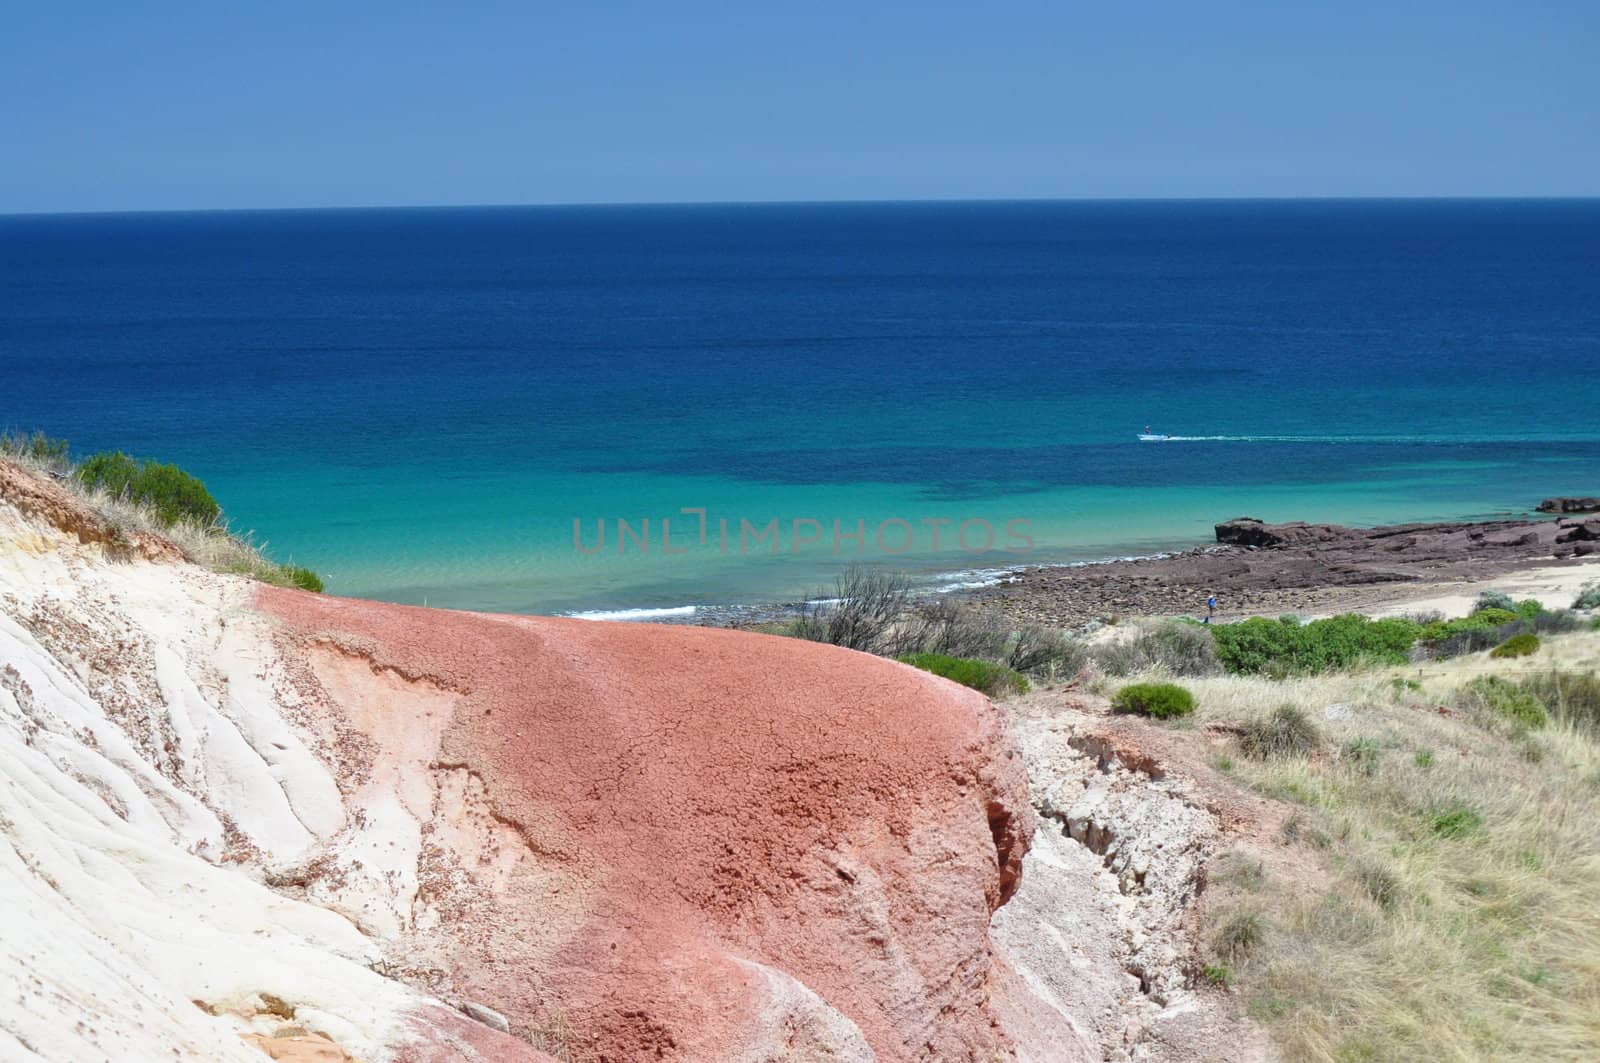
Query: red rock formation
[{"x": 732, "y": 843}]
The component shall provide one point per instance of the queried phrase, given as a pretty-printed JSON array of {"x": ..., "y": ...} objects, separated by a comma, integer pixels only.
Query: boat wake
[{"x": 1293, "y": 439}]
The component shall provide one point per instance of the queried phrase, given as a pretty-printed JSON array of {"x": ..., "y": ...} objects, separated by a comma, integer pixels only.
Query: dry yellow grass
[{"x": 1453, "y": 909}]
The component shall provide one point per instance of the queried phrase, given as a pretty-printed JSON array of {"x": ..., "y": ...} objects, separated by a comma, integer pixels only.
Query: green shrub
[
  {"x": 1572, "y": 697},
  {"x": 1455, "y": 820},
  {"x": 1522, "y": 645},
  {"x": 1173, "y": 646},
  {"x": 167, "y": 491},
  {"x": 1490, "y": 627},
  {"x": 985, "y": 676},
  {"x": 1529, "y": 608},
  {"x": 1159, "y": 700},
  {"x": 1286, "y": 731},
  {"x": 1506, "y": 700},
  {"x": 1588, "y": 597},
  {"x": 1262, "y": 646}
]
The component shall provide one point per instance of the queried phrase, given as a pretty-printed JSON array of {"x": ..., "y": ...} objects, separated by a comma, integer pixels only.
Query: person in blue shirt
[{"x": 1211, "y": 608}]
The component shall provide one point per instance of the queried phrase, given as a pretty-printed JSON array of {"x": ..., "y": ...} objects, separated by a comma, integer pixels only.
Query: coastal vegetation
[
  {"x": 166, "y": 491},
  {"x": 1161, "y": 701},
  {"x": 1260, "y": 646},
  {"x": 879, "y": 611},
  {"x": 876, "y": 611},
  {"x": 1492, "y": 698},
  {"x": 984, "y": 676},
  {"x": 1286, "y": 731},
  {"x": 1426, "y": 886},
  {"x": 1176, "y": 647},
  {"x": 140, "y": 496},
  {"x": 1429, "y": 892},
  {"x": 1521, "y": 645}
]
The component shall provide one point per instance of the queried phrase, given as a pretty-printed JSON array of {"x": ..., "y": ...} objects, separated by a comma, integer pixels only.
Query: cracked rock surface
[{"x": 1102, "y": 929}]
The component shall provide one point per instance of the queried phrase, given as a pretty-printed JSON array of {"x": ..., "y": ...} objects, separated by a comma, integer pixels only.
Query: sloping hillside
[{"x": 231, "y": 809}]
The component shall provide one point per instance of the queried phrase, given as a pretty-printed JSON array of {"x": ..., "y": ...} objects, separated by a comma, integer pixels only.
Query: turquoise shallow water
[{"x": 418, "y": 404}]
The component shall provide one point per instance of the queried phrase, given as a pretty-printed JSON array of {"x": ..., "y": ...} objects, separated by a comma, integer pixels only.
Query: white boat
[{"x": 1150, "y": 437}]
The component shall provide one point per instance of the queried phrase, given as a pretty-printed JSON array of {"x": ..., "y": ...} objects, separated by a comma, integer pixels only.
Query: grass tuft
[
  {"x": 1455, "y": 820},
  {"x": 1287, "y": 731},
  {"x": 1237, "y": 936},
  {"x": 1573, "y": 697}
]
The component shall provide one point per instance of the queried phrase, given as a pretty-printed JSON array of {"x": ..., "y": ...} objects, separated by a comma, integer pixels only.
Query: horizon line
[{"x": 902, "y": 201}]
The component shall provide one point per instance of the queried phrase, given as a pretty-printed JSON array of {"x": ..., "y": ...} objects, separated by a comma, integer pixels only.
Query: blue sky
[{"x": 107, "y": 106}]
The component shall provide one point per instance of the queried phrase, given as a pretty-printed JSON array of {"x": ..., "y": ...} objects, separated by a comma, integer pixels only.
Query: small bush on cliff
[
  {"x": 136, "y": 497},
  {"x": 862, "y": 612},
  {"x": 954, "y": 629},
  {"x": 1588, "y": 597},
  {"x": 1045, "y": 652},
  {"x": 960, "y": 629},
  {"x": 1161, "y": 701},
  {"x": 1517, "y": 646},
  {"x": 984, "y": 676},
  {"x": 37, "y": 451},
  {"x": 171, "y": 494}
]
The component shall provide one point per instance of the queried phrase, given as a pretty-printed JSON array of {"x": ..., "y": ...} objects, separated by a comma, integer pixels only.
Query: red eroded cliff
[{"x": 663, "y": 842}]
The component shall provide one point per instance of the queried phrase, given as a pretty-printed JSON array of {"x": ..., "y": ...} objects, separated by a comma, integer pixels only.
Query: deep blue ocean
[{"x": 419, "y": 403}]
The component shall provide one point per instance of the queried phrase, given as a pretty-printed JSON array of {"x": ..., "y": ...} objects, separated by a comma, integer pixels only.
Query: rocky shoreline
[{"x": 1259, "y": 568}]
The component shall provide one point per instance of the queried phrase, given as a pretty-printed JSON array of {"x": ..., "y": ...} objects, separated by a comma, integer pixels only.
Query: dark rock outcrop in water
[
  {"x": 1412, "y": 542},
  {"x": 1566, "y": 504},
  {"x": 1249, "y": 531}
]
